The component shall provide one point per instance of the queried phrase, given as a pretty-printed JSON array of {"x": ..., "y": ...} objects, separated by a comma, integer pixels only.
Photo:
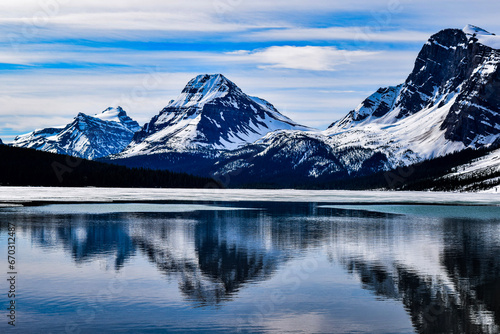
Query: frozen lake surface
[{"x": 75, "y": 195}]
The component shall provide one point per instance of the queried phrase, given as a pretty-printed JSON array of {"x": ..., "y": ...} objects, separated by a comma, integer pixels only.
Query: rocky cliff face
[
  {"x": 440, "y": 68},
  {"x": 475, "y": 117},
  {"x": 456, "y": 62}
]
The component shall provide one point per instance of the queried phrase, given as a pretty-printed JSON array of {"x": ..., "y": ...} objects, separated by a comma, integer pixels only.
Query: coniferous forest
[{"x": 28, "y": 167}]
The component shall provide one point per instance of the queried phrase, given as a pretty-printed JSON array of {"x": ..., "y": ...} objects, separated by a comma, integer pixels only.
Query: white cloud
[
  {"x": 131, "y": 21},
  {"x": 311, "y": 58},
  {"x": 237, "y": 6},
  {"x": 361, "y": 34},
  {"x": 393, "y": 21},
  {"x": 120, "y": 20},
  {"x": 382, "y": 13},
  {"x": 33, "y": 54}
]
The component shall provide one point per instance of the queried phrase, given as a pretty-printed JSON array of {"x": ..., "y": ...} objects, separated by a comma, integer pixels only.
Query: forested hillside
[{"x": 29, "y": 167}]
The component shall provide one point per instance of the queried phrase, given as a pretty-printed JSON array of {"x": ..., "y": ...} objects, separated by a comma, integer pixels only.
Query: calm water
[{"x": 253, "y": 267}]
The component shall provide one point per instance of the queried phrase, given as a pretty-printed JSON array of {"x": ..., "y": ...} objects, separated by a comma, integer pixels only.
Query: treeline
[
  {"x": 427, "y": 175},
  {"x": 28, "y": 167}
]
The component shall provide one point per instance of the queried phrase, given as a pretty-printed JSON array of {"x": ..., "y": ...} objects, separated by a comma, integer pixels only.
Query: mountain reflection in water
[{"x": 444, "y": 271}]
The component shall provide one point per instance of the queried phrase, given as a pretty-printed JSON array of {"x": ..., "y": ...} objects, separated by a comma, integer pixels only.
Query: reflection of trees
[
  {"x": 445, "y": 272},
  {"x": 458, "y": 294},
  {"x": 472, "y": 258}
]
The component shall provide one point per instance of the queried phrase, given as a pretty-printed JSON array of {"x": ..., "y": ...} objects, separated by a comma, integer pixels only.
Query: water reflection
[
  {"x": 445, "y": 271},
  {"x": 85, "y": 237}
]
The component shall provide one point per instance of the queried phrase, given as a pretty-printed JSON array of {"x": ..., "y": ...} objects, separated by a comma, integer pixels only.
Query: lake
[{"x": 253, "y": 266}]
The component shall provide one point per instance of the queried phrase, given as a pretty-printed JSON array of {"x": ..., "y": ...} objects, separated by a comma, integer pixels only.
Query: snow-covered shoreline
[{"x": 109, "y": 195}]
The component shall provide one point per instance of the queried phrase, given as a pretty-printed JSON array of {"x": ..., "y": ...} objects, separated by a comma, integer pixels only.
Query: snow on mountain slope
[
  {"x": 404, "y": 141},
  {"x": 211, "y": 113},
  {"x": 86, "y": 137},
  {"x": 118, "y": 115},
  {"x": 479, "y": 174},
  {"x": 489, "y": 162},
  {"x": 484, "y": 37}
]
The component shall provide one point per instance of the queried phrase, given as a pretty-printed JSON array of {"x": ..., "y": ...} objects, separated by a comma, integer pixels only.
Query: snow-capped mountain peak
[
  {"x": 448, "y": 102},
  {"x": 89, "y": 137},
  {"x": 211, "y": 113},
  {"x": 118, "y": 115},
  {"x": 203, "y": 89}
]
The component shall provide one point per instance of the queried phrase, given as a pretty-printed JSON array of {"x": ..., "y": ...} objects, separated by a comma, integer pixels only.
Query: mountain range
[{"x": 449, "y": 103}]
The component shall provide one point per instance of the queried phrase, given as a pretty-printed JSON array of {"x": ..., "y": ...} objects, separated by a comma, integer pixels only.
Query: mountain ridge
[{"x": 86, "y": 136}]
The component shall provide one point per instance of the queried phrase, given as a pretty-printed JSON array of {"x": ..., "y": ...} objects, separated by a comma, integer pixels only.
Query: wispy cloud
[
  {"x": 103, "y": 22},
  {"x": 361, "y": 34},
  {"x": 311, "y": 58}
]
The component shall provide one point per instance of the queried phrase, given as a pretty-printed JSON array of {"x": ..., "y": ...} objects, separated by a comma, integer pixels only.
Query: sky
[{"x": 313, "y": 60}]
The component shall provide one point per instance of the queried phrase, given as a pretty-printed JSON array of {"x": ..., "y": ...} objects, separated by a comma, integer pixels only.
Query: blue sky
[{"x": 314, "y": 60}]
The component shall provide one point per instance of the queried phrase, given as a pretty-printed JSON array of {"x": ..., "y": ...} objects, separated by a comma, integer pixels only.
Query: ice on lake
[{"x": 81, "y": 195}]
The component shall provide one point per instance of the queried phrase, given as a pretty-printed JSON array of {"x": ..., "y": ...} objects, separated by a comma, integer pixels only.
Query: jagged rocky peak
[
  {"x": 440, "y": 67},
  {"x": 457, "y": 68},
  {"x": 202, "y": 89},
  {"x": 445, "y": 61},
  {"x": 449, "y": 102},
  {"x": 375, "y": 106}
]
